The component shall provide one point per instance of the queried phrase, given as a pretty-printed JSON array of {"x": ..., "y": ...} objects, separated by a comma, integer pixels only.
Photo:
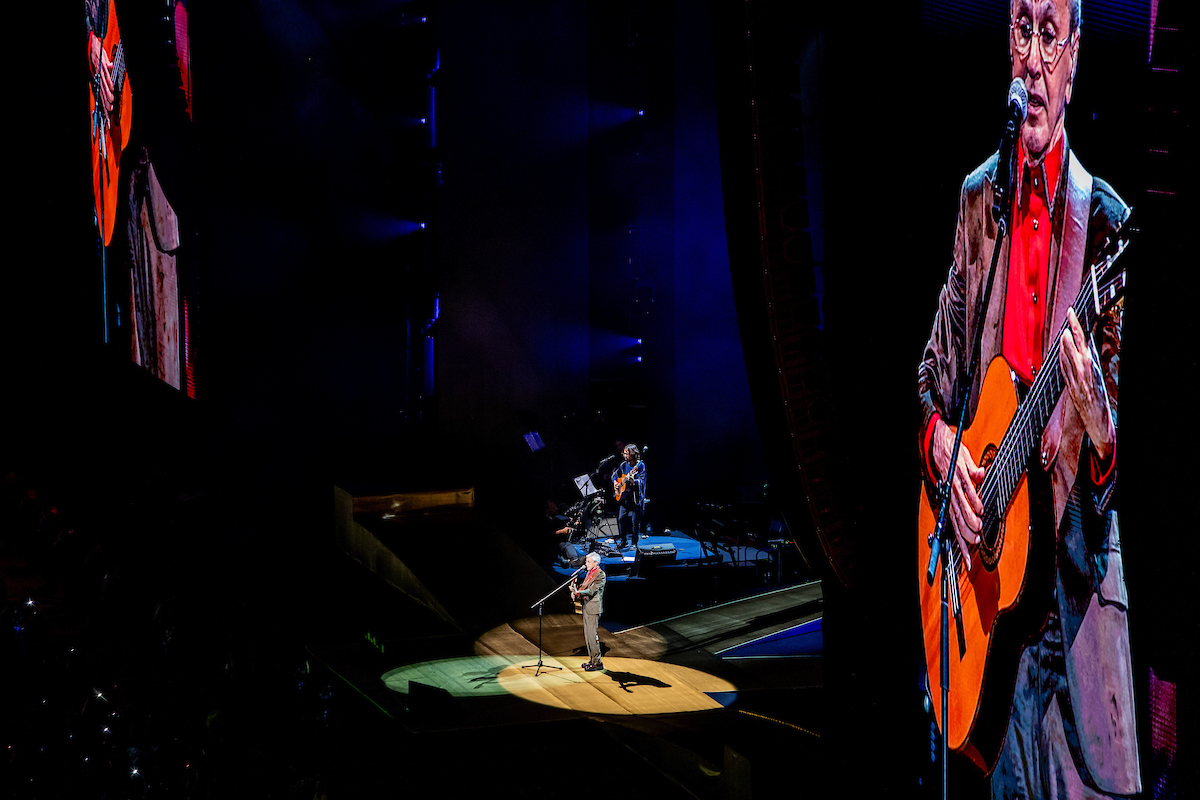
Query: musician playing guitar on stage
[
  {"x": 629, "y": 487},
  {"x": 1049, "y": 712},
  {"x": 591, "y": 594}
]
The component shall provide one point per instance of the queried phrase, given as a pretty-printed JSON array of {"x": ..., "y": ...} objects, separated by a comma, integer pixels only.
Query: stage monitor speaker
[
  {"x": 431, "y": 703},
  {"x": 651, "y": 556}
]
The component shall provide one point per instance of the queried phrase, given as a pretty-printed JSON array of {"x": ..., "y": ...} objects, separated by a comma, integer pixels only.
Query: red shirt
[
  {"x": 1028, "y": 274},
  {"x": 1029, "y": 262}
]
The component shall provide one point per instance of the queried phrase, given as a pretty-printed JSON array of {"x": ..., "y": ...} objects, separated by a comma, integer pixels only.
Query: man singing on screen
[{"x": 1071, "y": 730}]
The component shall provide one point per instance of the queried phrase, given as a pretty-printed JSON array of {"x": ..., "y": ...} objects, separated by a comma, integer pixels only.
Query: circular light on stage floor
[
  {"x": 634, "y": 680},
  {"x": 471, "y": 676},
  {"x": 626, "y": 686}
]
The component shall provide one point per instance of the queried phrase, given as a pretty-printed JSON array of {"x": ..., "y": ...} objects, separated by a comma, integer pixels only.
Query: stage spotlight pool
[
  {"x": 469, "y": 676},
  {"x": 626, "y": 686},
  {"x": 634, "y": 681}
]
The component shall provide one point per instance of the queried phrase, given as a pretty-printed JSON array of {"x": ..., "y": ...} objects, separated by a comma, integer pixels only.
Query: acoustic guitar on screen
[
  {"x": 1008, "y": 568},
  {"x": 110, "y": 129}
]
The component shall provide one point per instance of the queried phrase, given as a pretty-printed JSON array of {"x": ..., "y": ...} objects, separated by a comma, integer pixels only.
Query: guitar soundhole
[
  {"x": 989, "y": 453},
  {"x": 989, "y": 553}
]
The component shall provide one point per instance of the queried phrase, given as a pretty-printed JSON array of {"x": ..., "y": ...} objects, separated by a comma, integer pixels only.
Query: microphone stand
[
  {"x": 645, "y": 495},
  {"x": 940, "y": 541},
  {"x": 540, "y": 604}
]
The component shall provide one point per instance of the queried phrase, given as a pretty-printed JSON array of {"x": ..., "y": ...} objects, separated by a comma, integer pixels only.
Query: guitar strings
[{"x": 1006, "y": 469}]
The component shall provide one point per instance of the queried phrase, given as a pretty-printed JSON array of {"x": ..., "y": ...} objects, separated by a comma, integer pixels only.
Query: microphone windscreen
[{"x": 1017, "y": 94}]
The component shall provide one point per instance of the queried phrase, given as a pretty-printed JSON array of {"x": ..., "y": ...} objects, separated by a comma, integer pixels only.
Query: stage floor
[{"x": 682, "y": 664}]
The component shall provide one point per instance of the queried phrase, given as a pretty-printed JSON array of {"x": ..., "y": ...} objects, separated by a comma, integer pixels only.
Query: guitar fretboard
[
  {"x": 1024, "y": 433},
  {"x": 119, "y": 67}
]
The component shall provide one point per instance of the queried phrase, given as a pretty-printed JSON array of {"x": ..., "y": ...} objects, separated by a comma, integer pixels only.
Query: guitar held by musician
[
  {"x": 111, "y": 101},
  {"x": 629, "y": 489},
  {"x": 1004, "y": 576}
]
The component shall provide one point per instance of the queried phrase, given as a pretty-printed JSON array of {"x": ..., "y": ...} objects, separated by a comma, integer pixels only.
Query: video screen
[
  {"x": 142, "y": 153},
  {"x": 1038, "y": 648}
]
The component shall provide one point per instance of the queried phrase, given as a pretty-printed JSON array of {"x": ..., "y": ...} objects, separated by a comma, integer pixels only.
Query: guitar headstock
[{"x": 1106, "y": 279}]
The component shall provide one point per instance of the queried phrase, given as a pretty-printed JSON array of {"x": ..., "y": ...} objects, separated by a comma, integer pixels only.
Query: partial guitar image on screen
[{"x": 140, "y": 120}]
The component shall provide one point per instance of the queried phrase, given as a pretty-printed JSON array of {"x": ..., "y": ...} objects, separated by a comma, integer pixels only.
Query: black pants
[{"x": 629, "y": 523}]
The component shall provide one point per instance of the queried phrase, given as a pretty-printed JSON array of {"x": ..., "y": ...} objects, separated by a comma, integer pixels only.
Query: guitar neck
[
  {"x": 1023, "y": 438},
  {"x": 119, "y": 67}
]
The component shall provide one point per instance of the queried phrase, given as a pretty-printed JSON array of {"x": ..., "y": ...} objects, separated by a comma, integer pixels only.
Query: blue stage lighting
[
  {"x": 431, "y": 115},
  {"x": 427, "y": 381},
  {"x": 610, "y": 115},
  {"x": 403, "y": 227},
  {"x": 374, "y": 227}
]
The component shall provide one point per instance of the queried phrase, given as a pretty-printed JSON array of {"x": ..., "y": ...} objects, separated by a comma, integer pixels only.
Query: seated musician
[{"x": 562, "y": 530}]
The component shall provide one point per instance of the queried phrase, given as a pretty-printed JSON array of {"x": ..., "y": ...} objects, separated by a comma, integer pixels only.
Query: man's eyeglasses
[{"x": 1049, "y": 48}]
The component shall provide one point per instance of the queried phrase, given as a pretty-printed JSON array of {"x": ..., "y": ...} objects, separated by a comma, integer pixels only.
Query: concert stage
[{"x": 701, "y": 695}]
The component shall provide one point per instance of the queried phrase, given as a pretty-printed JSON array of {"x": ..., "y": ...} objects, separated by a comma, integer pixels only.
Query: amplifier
[{"x": 650, "y": 556}]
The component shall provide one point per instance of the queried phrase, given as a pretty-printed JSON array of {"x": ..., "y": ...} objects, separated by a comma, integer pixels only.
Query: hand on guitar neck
[
  {"x": 1085, "y": 385},
  {"x": 102, "y": 68}
]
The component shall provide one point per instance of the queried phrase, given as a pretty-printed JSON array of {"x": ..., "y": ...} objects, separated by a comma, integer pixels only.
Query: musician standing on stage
[
  {"x": 1072, "y": 731},
  {"x": 591, "y": 592},
  {"x": 629, "y": 480}
]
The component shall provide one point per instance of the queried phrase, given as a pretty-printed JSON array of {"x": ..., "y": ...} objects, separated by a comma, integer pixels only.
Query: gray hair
[
  {"x": 594, "y": 557},
  {"x": 1075, "y": 13}
]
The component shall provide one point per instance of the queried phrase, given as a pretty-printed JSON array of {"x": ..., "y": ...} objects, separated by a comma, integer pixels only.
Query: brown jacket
[{"x": 591, "y": 591}]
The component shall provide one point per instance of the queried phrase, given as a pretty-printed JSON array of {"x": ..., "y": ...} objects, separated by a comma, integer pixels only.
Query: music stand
[
  {"x": 540, "y": 604},
  {"x": 585, "y": 486}
]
